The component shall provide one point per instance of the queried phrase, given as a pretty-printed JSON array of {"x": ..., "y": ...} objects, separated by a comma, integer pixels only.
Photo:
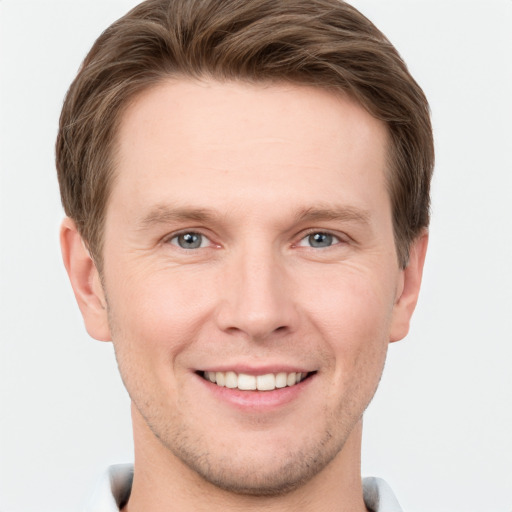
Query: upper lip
[{"x": 256, "y": 370}]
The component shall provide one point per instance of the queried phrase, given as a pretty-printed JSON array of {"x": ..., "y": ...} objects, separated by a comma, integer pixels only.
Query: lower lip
[{"x": 258, "y": 400}]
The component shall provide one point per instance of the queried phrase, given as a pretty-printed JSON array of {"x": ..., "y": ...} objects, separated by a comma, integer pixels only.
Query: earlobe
[
  {"x": 410, "y": 289},
  {"x": 85, "y": 281}
]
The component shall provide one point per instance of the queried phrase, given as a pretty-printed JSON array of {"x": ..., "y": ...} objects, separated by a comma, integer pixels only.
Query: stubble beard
[
  {"x": 232, "y": 468},
  {"x": 238, "y": 475},
  {"x": 245, "y": 476}
]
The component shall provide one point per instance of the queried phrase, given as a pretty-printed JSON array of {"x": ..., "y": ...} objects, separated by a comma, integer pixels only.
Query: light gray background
[{"x": 440, "y": 427}]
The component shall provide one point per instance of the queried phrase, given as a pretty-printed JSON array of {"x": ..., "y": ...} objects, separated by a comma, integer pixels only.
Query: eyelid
[
  {"x": 340, "y": 237},
  {"x": 197, "y": 231}
]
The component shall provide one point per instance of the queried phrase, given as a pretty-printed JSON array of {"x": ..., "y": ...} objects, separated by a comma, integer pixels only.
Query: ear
[
  {"x": 409, "y": 289},
  {"x": 85, "y": 281}
]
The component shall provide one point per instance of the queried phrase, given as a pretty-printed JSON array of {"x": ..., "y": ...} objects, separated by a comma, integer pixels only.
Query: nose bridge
[{"x": 256, "y": 298}]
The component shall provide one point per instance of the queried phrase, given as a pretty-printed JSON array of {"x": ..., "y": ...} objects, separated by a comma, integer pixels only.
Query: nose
[{"x": 257, "y": 297}]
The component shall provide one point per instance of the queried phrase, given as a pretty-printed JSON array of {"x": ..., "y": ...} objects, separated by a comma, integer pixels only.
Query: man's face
[{"x": 249, "y": 234}]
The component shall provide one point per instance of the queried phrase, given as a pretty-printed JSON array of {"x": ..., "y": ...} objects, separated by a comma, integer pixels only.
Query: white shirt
[{"x": 114, "y": 488}]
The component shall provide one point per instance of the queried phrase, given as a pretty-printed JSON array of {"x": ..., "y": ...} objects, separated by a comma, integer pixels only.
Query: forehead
[{"x": 206, "y": 139}]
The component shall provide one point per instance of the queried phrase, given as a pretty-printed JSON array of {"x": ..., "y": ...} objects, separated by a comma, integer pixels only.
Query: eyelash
[
  {"x": 335, "y": 239},
  {"x": 175, "y": 236}
]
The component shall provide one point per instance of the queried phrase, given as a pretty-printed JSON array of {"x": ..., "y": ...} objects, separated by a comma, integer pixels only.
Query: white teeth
[
  {"x": 281, "y": 380},
  {"x": 245, "y": 382},
  {"x": 266, "y": 382},
  {"x": 291, "y": 379},
  {"x": 220, "y": 378},
  {"x": 231, "y": 380}
]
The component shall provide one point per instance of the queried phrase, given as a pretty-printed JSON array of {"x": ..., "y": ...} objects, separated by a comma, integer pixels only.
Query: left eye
[
  {"x": 190, "y": 240},
  {"x": 319, "y": 240}
]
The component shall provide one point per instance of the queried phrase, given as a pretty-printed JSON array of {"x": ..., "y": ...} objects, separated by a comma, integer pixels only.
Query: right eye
[{"x": 190, "y": 240}]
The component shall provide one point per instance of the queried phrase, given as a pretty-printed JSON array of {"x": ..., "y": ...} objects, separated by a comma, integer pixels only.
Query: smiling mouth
[{"x": 245, "y": 382}]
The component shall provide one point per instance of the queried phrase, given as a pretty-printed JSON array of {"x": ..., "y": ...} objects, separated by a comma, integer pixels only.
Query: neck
[{"x": 162, "y": 482}]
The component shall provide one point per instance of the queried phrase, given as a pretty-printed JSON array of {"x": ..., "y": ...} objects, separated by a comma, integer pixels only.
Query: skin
[{"x": 254, "y": 170}]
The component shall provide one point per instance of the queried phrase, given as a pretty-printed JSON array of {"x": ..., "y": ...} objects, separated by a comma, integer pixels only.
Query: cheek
[
  {"x": 153, "y": 318},
  {"x": 357, "y": 336},
  {"x": 151, "y": 326},
  {"x": 354, "y": 305},
  {"x": 354, "y": 317},
  {"x": 156, "y": 318},
  {"x": 157, "y": 302}
]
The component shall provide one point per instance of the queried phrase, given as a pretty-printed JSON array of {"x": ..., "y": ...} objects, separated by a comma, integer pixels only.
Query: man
[{"x": 246, "y": 186}]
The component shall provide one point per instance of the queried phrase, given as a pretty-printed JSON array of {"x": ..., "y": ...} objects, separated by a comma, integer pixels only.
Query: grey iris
[
  {"x": 320, "y": 240},
  {"x": 190, "y": 240}
]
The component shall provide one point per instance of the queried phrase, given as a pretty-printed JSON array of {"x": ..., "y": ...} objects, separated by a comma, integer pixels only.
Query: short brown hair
[{"x": 322, "y": 43}]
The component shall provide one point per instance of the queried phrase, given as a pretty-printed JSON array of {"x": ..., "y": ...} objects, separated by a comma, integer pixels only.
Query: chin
[
  {"x": 272, "y": 471},
  {"x": 280, "y": 477}
]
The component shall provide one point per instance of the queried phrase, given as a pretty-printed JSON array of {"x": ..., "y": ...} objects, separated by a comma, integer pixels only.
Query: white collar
[{"x": 113, "y": 491}]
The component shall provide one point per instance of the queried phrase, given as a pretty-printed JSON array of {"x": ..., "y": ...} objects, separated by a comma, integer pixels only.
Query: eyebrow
[
  {"x": 163, "y": 214},
  {"x": 343, "y": 214}
]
